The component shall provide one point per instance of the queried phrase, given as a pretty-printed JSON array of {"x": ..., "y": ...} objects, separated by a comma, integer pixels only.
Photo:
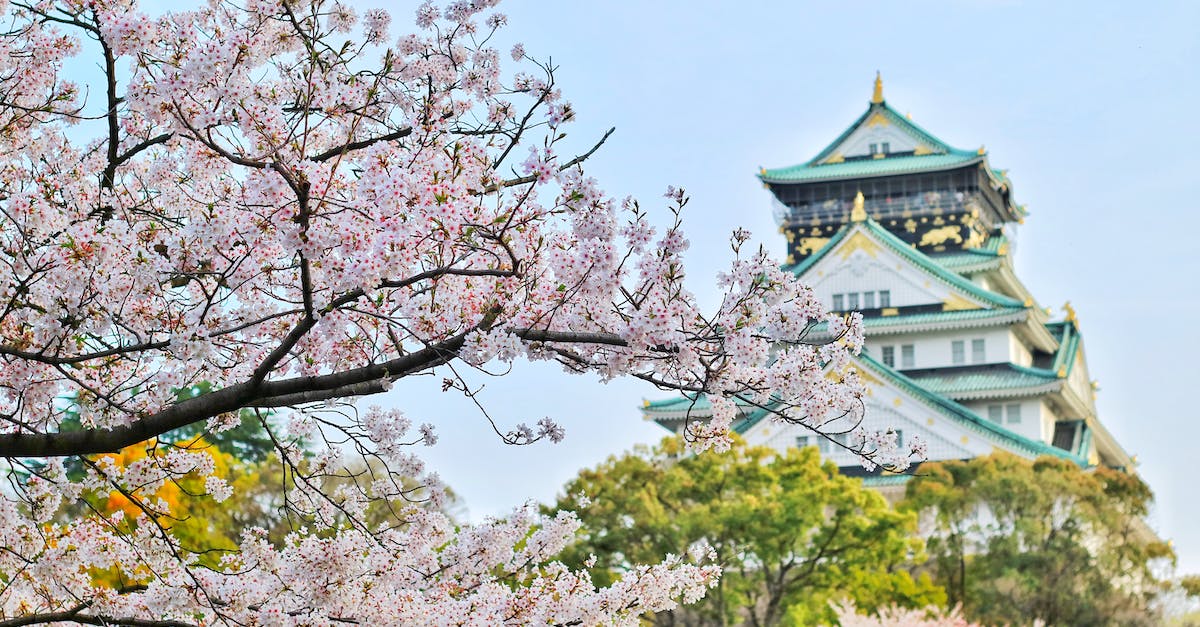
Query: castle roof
[
  {"x": 847, "y": 157},
  {"x": 810, "y": 172},
  {"x": 878, "y": 233},
  {"x": 697, "y": 407}
]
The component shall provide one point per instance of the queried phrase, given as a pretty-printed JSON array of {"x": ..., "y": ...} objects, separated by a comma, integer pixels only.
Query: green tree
[
  {"x": 790, "y": 533},
  {"x": 1014, "y": 540}
]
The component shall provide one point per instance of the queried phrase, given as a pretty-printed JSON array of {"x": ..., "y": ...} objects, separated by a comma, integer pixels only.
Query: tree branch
[
  {"x": 73, "y": 615},
  {"x": 358, "y": 145},
  {"x": 233, "y": 398},
  {"x": 573, "y": 162}
]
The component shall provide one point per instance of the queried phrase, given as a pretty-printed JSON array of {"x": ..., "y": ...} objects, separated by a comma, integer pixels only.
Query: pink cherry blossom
[{"x": 247, "y": 206}]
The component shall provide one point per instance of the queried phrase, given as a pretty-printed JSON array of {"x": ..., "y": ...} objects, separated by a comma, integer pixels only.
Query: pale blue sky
[{"x": 1090, "y": 107}]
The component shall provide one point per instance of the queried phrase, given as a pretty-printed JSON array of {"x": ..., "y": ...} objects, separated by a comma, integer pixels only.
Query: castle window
[
  {"x": 838, "y": 302},
  {"x": 886, "y": 148},
  {"x": 996, "y": 413},
  {"x": 885, "y": 298},
  {"x": 908, "y": 356},
  {"x": 958, "y": 353},
  {"x": 852, "y": 301},
  {"x": 889, "y": 356},
  {"x": 899, "y": 439},
  {"x": 978, "y": 354},
  {"x": 1012, "y": 414},
  {"x": 874, "y": 148},
  {"x": 1064, "y": 435},
  {"x": 868, "y": 300}
]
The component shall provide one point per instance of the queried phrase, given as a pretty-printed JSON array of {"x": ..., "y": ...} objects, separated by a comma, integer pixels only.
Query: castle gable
[{"x": 864, "y": 268}]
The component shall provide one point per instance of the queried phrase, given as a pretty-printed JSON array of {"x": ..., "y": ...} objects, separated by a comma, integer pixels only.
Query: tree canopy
[
  {"x": 1014, "y": 540},
  {"x": 790, "y": 534}
]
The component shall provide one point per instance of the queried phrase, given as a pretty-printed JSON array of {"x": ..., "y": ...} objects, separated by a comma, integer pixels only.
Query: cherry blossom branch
[
  {"x": 287, "y": 270},
  {"x": 90, "y": 619},
  {"x": 232, "y": 398},
  {"x": 563, "y": 168},
  {"x": 349, "y": 147}
]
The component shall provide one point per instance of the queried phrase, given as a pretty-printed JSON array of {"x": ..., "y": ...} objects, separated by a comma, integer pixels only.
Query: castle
[{"x": 917, "y": 235}]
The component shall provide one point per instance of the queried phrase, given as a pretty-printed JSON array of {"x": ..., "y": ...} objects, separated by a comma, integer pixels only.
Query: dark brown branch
[
  {"x": 581, "y": 337},
  {"x": 77, "y": 359},
  {"x": 139, "y": 147},
  {"x": 233, "y": 398},
  {"x": 358, "y": 145},
  {"x": 89, "y": 619},
  {"x": 74, "y": 615},
  {"x": 305, "y": 325},
  {"x": 257, "y": 392},
  {"x": 572, "y": 163},
  {"x": 365, "y": 388},
  {"x": 524, "y": 124},
  {"x": 571, "y": 337},
  {"x": 48, "y": 617}
]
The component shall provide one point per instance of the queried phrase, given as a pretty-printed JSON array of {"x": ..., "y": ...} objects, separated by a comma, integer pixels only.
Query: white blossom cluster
[{"x": 290, "y": 222}]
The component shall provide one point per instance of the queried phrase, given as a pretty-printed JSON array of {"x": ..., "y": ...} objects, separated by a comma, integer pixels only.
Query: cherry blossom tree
[{"x": 283, "y": 207}]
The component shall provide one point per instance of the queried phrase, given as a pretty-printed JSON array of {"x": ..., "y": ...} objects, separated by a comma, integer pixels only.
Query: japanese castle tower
[{"x": 893, "y": 222}]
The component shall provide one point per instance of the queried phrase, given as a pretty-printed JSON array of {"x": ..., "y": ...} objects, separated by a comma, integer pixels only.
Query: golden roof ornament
[
  {"x": 877, "y": 96},
  {"x": 859, "y": 212},
  {"x": 1070, "y": 311}
]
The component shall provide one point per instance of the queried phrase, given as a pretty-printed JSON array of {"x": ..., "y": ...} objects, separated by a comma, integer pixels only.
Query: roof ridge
[
  {"x": 960, "y": 410},
  {"x": 1034, "y": 371},
  {"x": 862, "y": 168},
  {"x": 927, "y": 262},
  {"x": 944, "y": 405},
  {"x": 912, "y": 254},
  {"x": 906, "y": 124},
  {"x": 903, "y": 123},
  {"x": 840, "y": 138}
]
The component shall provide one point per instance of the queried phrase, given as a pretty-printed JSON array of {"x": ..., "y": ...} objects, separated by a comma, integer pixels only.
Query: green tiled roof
[
  {"x": 942, "y": 155},
  {"x": 678, "y": 403},
  {"x": 895, "y": 119},
  {"x": 914, "y": 387},
  {"x": 882, "y": 481},
  {"x": 943, "y": 317},
  {"x": 688, "y": 402},
  {"x": 948, "y": 408},
  {"x": 1002, "y": 378},
  {"x": 861, "y": 168},
  {"x": 682, "y": 406},
  {"x": 912, "y": 254},
  {"x": 984, "y": 257},
  {"x": 1067, "y": 334},
  {"x": 953, "y": 409},
  {"x": 936, "y": 320},
  {"x": 967, "y": 261}
]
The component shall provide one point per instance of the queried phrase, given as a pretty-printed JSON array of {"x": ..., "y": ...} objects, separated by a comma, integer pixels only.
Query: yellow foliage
[
  {"x": 171, "y": 492},
  {"x": 194, "y": 518}
]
